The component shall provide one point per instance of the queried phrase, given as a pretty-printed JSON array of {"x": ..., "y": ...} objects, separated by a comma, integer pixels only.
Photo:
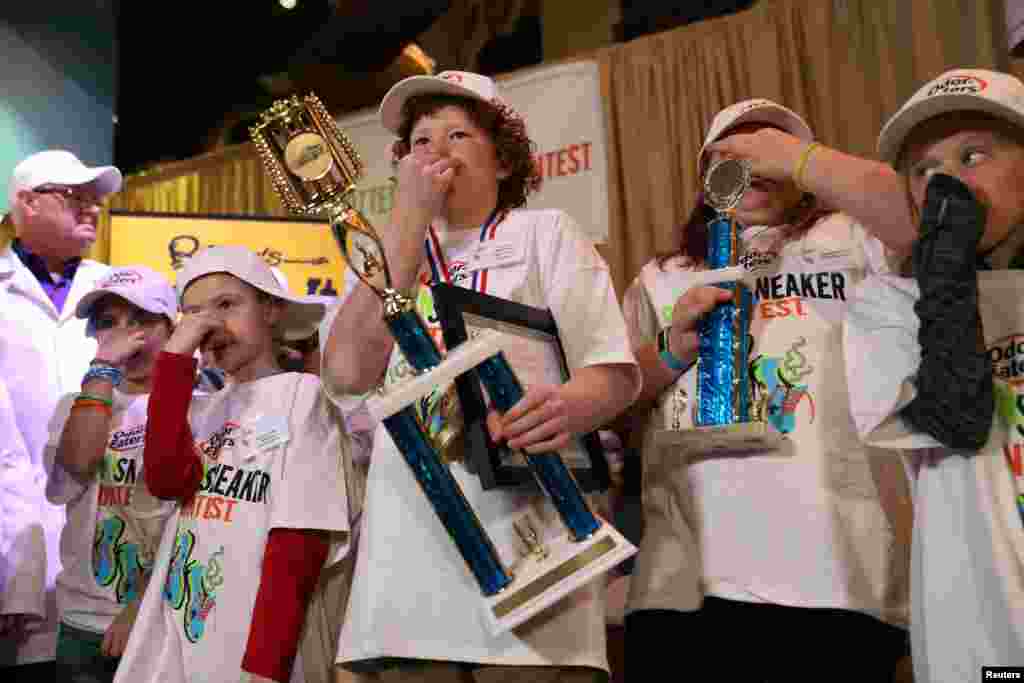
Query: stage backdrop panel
[
  {"x": 303, "y": 250},
  {"x": 564, "y": 116}
]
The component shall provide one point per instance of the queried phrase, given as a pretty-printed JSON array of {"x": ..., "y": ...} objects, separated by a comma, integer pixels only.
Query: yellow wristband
[{"x": 801, "y": 165}]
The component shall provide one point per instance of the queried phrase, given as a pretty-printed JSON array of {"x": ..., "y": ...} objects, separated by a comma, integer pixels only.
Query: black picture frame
[{"x": 494, "y": 463}]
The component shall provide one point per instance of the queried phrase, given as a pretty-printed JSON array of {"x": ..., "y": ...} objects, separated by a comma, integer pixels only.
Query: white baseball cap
[
  {"x": 461, "y": 83},
  {"x": 281, "y": 278},
  {"x": 302, "y": 314},
  {"x": 989, "y": 92},
  {"x": 59, "y": 167},
  {"x": 138, "y": 285},
  {"x": 757, "y": 110}
]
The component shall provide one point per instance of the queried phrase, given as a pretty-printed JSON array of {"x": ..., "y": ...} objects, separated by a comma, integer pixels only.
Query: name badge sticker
[
  {"x": 496, "y": 254},
  {"x": 265, "y": 433},
  {"x": 831, "y": 259}
]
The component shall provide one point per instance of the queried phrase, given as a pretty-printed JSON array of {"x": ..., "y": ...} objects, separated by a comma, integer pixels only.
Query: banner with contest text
[
  {"x": 302, "y": 250},
  {"x": 564, "y": 116}
]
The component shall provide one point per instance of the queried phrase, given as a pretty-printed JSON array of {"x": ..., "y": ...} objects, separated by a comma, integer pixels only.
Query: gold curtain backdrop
[{"x": 845, "y": 65}]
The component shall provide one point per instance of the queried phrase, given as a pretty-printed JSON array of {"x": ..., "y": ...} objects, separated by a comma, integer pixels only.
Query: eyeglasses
[{"x": 74, "y": 198}]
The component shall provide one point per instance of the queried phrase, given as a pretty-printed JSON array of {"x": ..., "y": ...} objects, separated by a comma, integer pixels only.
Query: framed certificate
[{"x": 536, "y": 356}]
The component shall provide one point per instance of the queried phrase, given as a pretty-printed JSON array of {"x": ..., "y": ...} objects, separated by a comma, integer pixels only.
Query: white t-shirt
[
  {"x": 114, "y": 523},
  {"x": 412, "y": 595},
  {"x": 272, "y": 458},
  {"x": 819, "y": 523},
  {"x": 968, "y": 551}
]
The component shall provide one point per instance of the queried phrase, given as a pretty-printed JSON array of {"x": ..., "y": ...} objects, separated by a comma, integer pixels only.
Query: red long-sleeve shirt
[{"x": 292, "y": 559}]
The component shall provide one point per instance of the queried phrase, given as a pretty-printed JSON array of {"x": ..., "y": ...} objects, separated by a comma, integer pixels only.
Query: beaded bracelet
[
  {"x": 104, "y": 372},
  {"x": 665, "y": 353},
  {"x": 93, "y": 397},
  {"x": 89, "y": 404},
  {"x": 92, "y": 405}
]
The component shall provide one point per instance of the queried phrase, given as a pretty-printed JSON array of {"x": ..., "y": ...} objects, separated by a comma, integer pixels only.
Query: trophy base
[
  {"x": 734, "y": 438},
  {"x": 540, "y": 582}
]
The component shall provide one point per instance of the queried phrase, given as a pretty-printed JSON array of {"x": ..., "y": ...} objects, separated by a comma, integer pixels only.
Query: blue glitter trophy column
[
  {"x": 726, "y": 417},
  {"x": 365, "y": 255}
]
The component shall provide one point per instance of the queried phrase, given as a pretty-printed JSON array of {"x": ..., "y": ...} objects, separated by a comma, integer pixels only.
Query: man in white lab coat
[{"x": 54, "y": 202}]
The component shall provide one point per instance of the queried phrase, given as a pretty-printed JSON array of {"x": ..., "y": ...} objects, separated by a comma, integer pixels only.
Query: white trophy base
[
  {"x": 539, "y": 583},
  {"x": 724, "y": 439}
]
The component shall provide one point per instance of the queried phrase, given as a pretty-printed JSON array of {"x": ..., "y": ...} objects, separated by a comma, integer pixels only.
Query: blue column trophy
[
  {"x": 532, "y": 569},
  {"x": 728, "y": 416}
]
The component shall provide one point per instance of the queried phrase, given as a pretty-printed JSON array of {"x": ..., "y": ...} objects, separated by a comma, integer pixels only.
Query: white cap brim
[
  {"x": 396, "y": 97},
  {"x": 302, "y": 314},
  {"x": 769, "y": 113},
  {"x": 87, "y": 302},
  {"x": 894, "y": 133},
  {"x": 61, "y": 167},
  {"x": 105, "y": 179}
]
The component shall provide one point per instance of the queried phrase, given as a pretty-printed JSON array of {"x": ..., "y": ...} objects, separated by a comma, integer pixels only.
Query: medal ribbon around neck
[
  {"x": 439, "y": 266},
  {"x": 440, "y": 413}
]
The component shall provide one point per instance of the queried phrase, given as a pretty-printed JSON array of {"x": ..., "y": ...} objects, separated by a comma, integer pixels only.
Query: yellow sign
[{"x": 303, "y": 250}]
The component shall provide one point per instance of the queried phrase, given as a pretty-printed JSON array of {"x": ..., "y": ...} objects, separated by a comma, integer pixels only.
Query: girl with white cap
[
  {"x": 769, "y": 564},
  {"x": 94, "y": 462},
  {"x": 934, "y": 359},
  {"x": 258, "y": 474},
  {"x": 464, "y": 170}
]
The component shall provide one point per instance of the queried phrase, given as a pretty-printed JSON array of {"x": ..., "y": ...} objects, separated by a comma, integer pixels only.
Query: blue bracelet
[
  {"x": 110, "y": 374},
  {"x": 666, "y": 355}
]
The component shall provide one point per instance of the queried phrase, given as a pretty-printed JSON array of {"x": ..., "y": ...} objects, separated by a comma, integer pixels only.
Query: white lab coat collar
[{"x": 16, "y": 278}]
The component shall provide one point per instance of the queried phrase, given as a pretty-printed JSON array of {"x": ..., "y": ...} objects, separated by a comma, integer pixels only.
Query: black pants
[
  {"x": 44, "y": 672},
  {"x": 744, "y": 641}
]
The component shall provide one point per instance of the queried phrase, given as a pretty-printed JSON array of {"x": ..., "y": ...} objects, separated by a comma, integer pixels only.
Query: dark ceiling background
[
  {"x": 193, "y": 77},
  {"x": 182, "y": 73}
]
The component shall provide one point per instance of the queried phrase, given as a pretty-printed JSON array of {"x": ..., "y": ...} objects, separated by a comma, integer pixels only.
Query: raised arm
[
  {"x": 358, "y": 346},
  {"x": 869, "y": 191},
  {"x": 171, "y": 466},
  {"x": 955, "y": 400},
  {"x": 87, "y": 429}
]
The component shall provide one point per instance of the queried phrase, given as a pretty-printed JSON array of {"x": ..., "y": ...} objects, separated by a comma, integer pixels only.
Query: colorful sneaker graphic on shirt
[
  {"x": 116, "y": 562},
  {"x": 175, "y": 592},
  {"x": 192, "y": 586},
  {"x": 777, "y": 386},
  {"x": 1010, "y": 410},
  {"x": 130, "y": 568}
]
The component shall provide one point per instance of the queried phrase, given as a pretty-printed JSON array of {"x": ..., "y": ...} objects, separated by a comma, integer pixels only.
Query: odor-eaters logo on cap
[
  {"x": 121, "y": 279},
  {"x": 963, "y": 84},
  {"x": 1007, "y": 356}
]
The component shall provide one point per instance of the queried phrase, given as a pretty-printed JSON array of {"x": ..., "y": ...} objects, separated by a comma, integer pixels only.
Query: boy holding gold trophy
[{"x": 464, "y": 169}]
